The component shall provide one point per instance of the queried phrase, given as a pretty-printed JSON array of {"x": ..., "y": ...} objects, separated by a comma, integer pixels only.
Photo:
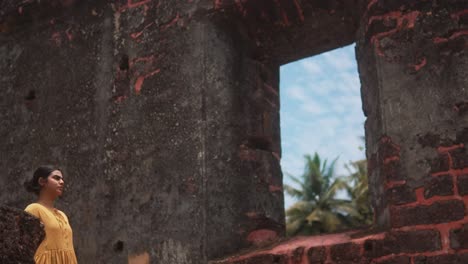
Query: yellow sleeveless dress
[{"x": 57, "y": 247}]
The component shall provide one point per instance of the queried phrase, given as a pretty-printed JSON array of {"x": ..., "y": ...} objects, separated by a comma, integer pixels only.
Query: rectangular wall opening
[{"x": 322, "y": 138}]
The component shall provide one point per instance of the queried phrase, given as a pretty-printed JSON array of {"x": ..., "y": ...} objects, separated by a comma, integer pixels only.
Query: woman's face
[{"x": 54, "y": 184}]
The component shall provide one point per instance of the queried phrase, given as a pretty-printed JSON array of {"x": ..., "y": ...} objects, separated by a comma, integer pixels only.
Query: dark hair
[{"x": 33, "y": 184}]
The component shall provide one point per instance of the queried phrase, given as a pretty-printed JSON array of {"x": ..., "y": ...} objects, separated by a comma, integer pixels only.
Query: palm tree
[
  {"x": 317, "y": 209},
  {"x": 358, "y": 190}
]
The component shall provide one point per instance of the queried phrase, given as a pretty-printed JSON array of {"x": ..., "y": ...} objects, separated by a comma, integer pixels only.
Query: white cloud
[
  {"x": 340, "y": 59},
  {"x": 312, "y": 107},
  {"x": 311, "y": 67},
  {"x": 321, "y": 111},
  {"x": 297, "y": 93},
  {"x": 347, "y": 105},
  {"x": 307, "y": 102}
]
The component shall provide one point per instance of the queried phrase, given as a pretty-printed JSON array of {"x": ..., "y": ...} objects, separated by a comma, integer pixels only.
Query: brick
[
  {"x": 459, "y": 238},
  {"x": 401, "y": 195},
  {"x": 316, "y": 255},
  {"x": 296, "y": 255},
  {"x": 443, "y": 259},
  {"x": 459, "y": 158},
  {"x": 380, "y": 26},
  {"x": 387, "y": 148},
  {"x": 440, "y": 164},
  {"x": 403, "y": 242},
  {"x": 259, "y": 259},
  {"x": 462, "y": 183},
  {"x": 262, "y": 236},
  {"x": 395, "y": 260},
  {"x": 439, "y": 186},
  {"x": 438, "y": 212},
  {"x": 345, "y": 252}
]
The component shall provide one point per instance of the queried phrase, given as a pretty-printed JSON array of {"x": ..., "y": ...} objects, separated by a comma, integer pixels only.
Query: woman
[{"x": 57, "y": 247}]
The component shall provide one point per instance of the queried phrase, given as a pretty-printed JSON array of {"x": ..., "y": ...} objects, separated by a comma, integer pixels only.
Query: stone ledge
[
  {"x": 394, "y": 246},
  {"x": 20, "y": 235}
]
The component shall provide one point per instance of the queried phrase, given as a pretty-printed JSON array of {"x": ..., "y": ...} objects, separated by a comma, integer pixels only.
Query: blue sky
[{"x": 321, "y": 111}]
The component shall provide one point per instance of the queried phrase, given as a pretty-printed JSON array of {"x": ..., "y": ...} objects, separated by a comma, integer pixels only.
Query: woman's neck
[{"x": 46, "y": 201}]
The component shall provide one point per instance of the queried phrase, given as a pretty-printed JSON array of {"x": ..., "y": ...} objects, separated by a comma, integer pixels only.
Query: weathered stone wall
[
  {"x": 413, "y": 65},
  {"x": 164, "y": 116},
  {"x": 20, "y": 235},
  {"x": 142, "y": 104}
]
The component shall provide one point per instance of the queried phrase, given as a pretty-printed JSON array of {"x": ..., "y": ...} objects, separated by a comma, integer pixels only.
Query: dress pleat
[{"x": 56, "y": 257}]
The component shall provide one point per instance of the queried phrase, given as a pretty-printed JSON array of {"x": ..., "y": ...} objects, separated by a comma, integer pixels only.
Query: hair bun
[
  {"x": 29, "y": 186},
  {"x": 33, "y": 184}
]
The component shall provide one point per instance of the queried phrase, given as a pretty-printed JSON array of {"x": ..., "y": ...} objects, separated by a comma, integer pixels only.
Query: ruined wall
[
  {"x": 413, "y": 65},
  {"x": 142, "y": 104},
  {"x": 164, "y": 117},
  {"x": 20, "y": 235},
  {"x": 413, "y": 61}
]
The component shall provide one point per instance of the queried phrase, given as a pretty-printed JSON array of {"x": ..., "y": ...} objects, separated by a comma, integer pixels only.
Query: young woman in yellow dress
[{"x": 57, "y": 247}]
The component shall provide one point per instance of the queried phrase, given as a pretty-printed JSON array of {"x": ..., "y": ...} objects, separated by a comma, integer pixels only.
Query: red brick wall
[
  {"x": 141, "y": 82},
  {"x": 413, "y": 62}
]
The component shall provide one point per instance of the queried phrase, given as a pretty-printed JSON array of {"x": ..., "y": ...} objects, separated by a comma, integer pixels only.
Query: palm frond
[{"x": 293, "y": 192}]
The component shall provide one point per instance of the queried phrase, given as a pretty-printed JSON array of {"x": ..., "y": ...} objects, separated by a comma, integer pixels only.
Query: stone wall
[
  {"x": 413, "y": 61},
  {"x": 20, "y": 235},
  {"x": 164, "y": 116},
  {"x": 143, "y": 105}
]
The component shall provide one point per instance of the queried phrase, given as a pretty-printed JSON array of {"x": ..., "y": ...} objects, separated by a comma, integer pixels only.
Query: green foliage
[
  {"x": 317, "y": 209},
  {"x": 358, "y": 191}
]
